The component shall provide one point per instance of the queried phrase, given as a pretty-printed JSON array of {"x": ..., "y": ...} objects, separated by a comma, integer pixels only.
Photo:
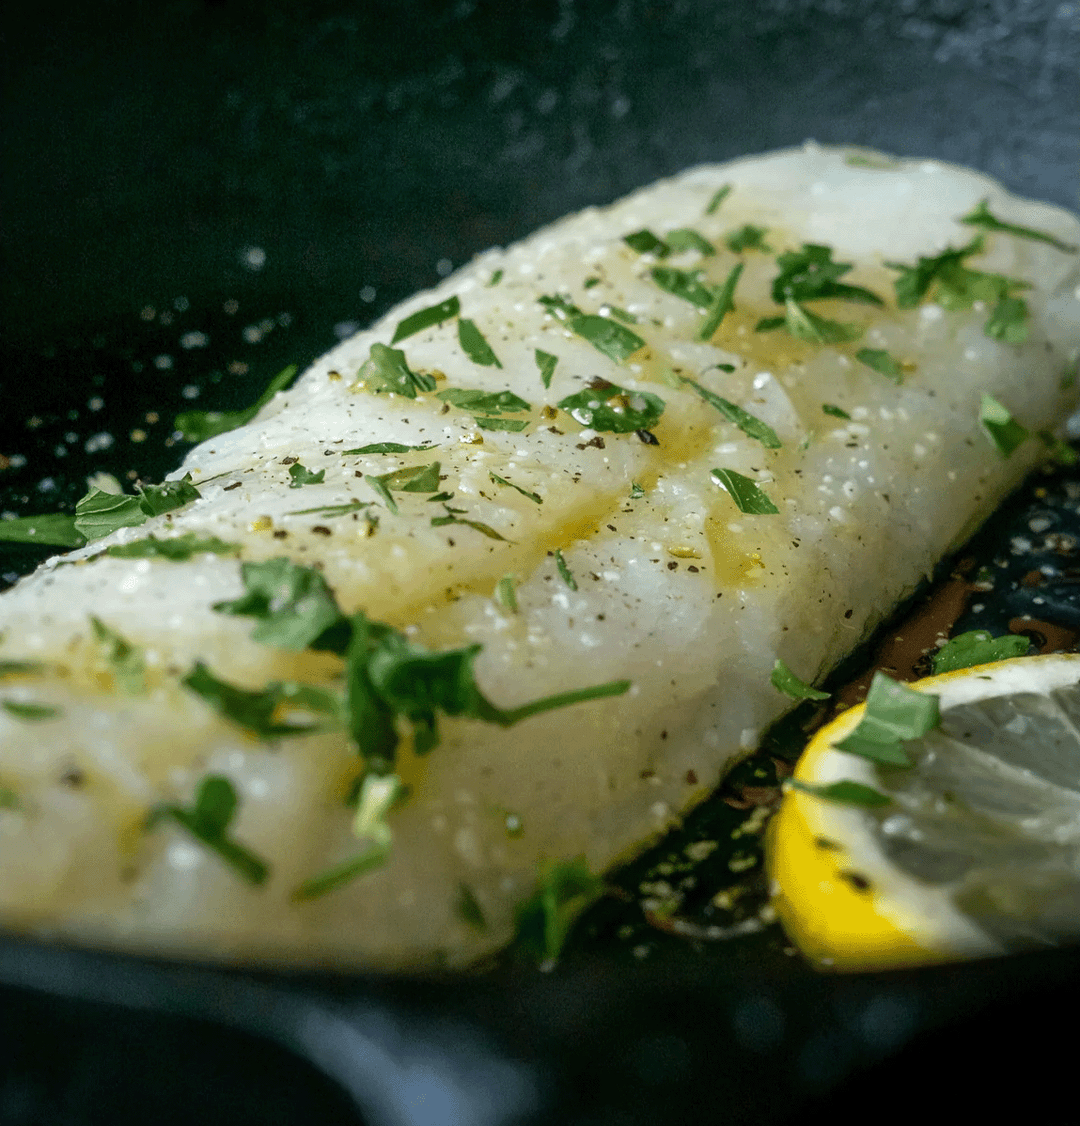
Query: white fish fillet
[{"x": 677, "y": 590}]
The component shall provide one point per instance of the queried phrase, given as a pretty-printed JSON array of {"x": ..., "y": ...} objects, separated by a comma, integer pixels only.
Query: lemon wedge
[{"x": 972, "y": 850}]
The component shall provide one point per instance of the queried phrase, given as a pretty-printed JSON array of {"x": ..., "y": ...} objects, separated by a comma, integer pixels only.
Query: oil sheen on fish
[{"x": 577, "y": 458}]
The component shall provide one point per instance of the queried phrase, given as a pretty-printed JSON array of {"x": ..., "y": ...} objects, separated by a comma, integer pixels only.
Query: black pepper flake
[
  {"x": 596, "y": 443},
  {"x": 645, "y": 775},
  {"x": 692, "y": 568},
  {"x": 289, "y": 460},
  {"x": 280, "y": 534},
  {"x": 73, "y": 777},
  {"x": 825, "y": 843},
  {"x": 611, "y": 527},
  {"x": 321, "y": 530},
  {"x": 648, "y": 437},
  {"x": 857, "y": 880},
  {"x": 673, "y": 566},
  {"x": 234, "y": 485},
  {"x": 848, "y": 613},
  {"x": 691, "y": 778}
]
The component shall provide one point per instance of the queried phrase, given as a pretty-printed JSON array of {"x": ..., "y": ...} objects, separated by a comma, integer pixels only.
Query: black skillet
[{"x": 196, "y": 193}]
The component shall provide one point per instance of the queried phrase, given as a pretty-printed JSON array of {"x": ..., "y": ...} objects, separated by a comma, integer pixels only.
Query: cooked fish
[{"x": 642, "y": 456}]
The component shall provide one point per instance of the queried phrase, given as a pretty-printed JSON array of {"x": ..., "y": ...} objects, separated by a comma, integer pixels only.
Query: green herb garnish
[
  {"x": 474, "y": 345},
  {"x": 494, "y": 279},
  {"x": 723, "y": 302},
  {"x": 686, "y": 238},
  {"x": 300, "y": 476},
  {"x": 52, "y": 529},
  {"x": 645, "y": 242},
  {"x": 882, "y": 362},
  {"x": 542, "y": 923},
  {"x": 387, "y": 448},
  {"x": 176, "y": 549},
  {"x": 685, "y": 284},
  {"x": 197, "y": 426},
  {"x": 810, "y": 274},
  {"x": 845, "y": 792},
  {"x": 20, "y": 668},
  {"x": 469, "y": 910},
  {"x": 483, "y": 402},
  {"x": 804, "y": 325},
  {"x": 565, "y": 573},
  {"x": 636, "y": 491},
  {"x": 787, "y": 682},
  {"x": 545, "y": 362},
  {"x": 534, "y": 497},
  {"x": 476, "y": 525},
  {"x": 385, "y": 369},
  {"x": 426, "y": 318},
  {"x": 718, "y": 198},
  {"x": 99, "y": 513},
  {"x": 1058, "y": 450},
  {"x": 748, "y": 237},
  {"x": 155, "y": 500},
  {"x": 893, "y": 713},
  {"x": 982, "y": 217},
  {"x": 506, "y": 593},
  {"x": 559, "y": 306},
  {"x": 29, "y": 711},
  {"x": 835, "y": 411},
  {"x": 616, "y": 341},
  {"x": 746, "y": 495},
  {"x": 208, "y": 820},
  {"x": 124, "y": 659},
  {"x": 751, "y": 426},
  {"x": 1000, "y": 426},
  {"x": 608, "y": 407},
  {"x": 977, "y": 647}
]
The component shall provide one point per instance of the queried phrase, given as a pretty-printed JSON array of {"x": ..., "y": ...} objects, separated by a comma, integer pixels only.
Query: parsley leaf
[
  {"x": 748, "y": 237},
  {"x": 542, "y": 923},
  {"x": 606, "y": 335},
  {"x": 605, "y": 406},
  {"x": 545, "y": 362},
  {"x": 208, "y": 820},
  {"x": 834, "y": 410},
  {"x": 413, "y": 478},
  {"x": 168, "y": 496},
  {"x": 744, "y": 492},
  {"x": 881, "y": 361},
  {"x": 977, "y": 647},
  {"x": 176, "y": 548},
  {"x": 804, "y": 325},
  {"x": 494, "y": 279},
  {"x": 483, "y": 402},
  {"x": 474, "y": 345},
  {"x": 686, "y": 238},
  {"x": 124, "y": 659},
  {"x": 99, "y": 513},
  {"x": 385, "y": 369},
  {"x": 293, "y": 605},
  {"x": 845, "y": 792},
  {"x": 982, "y": 217},
  {"x": 29, "y": 711},
  {"x": 469, "y": 910},
  {"x": 388, "y": 448},
  {"x": 1058, "y": 450},
  {"x": 52, "y": 529},
  {"x": 565, "y": 573},
  {"x": 784, "y": 680},
  {"x": 20, "y": 668},
  {"x": 426, "y": 318},
  {"x": 534, "y": 497},
  {"x": 810, "y": 274},
  {"x": 722, "y": 303},
  {"x": 282, "y": 708},
  {"x": 559, "y": 306},
  {"x": 893, "y": 713},
  {"x": 645, "y": 242},
  {"x": 301, "y": 476},
  {"x": 1008, "y": 321},
  {"x": 506, "y": 594},
  {"x": 197, "y": 426},
  {"x": 718, "y": 198},
  {"x": 1002, "y": 429},
  {"x": 751, "y": 426},
  {"x": 685, "y": 284},
  {"x": 476, "y": 525}
]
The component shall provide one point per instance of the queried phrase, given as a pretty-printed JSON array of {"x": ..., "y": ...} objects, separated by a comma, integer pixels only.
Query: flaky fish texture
[{"x": 611, "y": 518}]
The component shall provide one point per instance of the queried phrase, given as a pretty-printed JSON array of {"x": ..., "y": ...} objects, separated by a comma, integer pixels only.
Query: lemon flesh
[{"x": 978, "y": 851}]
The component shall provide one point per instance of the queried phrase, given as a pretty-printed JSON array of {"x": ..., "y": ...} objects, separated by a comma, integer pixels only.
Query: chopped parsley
[
  {"x": 977, "y": 647},
  {"x": 385, "y": 369},
  {"x": 300, "y": 476},
  {"x": 29, "y": 711},
  {"x": 723, "y": 302},
  {"x": 751, "y": 426},
  {"x": 388, "y": 448},
  {"x": 469, "y": 910},
  {"x": 208, "y": 819},
  {"x": 954, "y": 286},
  {"x": 545, "y": 363},
  {"x": 608, "y": 407},
  {"x": 835, "y": 411},
  {"x": 1058, "y": 450},
  {"x": 292, "y": 605},
  {"x": 645, "y": 242},
  {"x": 506, "y": 593},
  {"x": 808, "y": 326},
  {"x": 176, "y": 549},
  {"x": 197, "y": 426},
  {"x": 618, "y": 314},
  {"x": 636, "y": 491},
  {"x": 452, "y": 517},
  {"x": 542, "y": 923},
  {"x": 495, "y": 279},
  {"x": 155, "y": 500},
  {"x": 559, "y": 306},
  {"x": 686, "y": 238},
  {"x": 514, "y": 425},
  {"x": 483, "y": 402},
  {"x": 20, "y": 668},
  {"x": 718, "y": 198},
  {"x": 426, "y": 318},
  {"x": 784, "y": 680},
  {"x": 125, "y": 660},
  {"x": 748, "y": 237},
  {"x": 882, "y": 362},
  {"x": 893, "y": 713},
  {"x": 810, "y": 274},
  {"x": 99, "y": 513},
  {"x": 1000, "y": 426},
  {"x": 534, "y": 497},
  {"x": 685, "y": 284},
  {"x": 474, "y": 345},
  {"x": 845, "y": 792},
  {"x": 565, "y": 573},
  {"x": 746, "y": 495},
  {"x": 616, "y": 341},
  {"x": 982, "y": 217},
  {"x": 52, "y": 529},
  {"x": 281, "y": 709}
]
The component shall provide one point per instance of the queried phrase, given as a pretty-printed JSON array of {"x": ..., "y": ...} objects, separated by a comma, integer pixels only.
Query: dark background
[{"x": 194, "y": 193}]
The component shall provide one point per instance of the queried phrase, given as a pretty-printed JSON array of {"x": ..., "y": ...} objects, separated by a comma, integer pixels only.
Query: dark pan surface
[{"x": 196, "y": 193}]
